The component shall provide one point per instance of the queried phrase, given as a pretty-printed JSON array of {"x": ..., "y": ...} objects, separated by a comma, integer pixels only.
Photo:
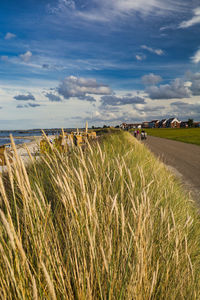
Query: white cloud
[
  {"x": 194, "y": 83},
  {"x": 186, "y": 109},
  {"x": 196, "y": 58},
  {"x": 26, "y": 56},
  {"x": 193, "y": 21},
  {"x": 79, "y": 87},
  {"x": 152, "y": 50},
  {"x": 105, "y": 10},
  {"x": 151, "y": 79},
  {"x": 9, "y": 36},
  {"x": 140, "y": 57},
  {"x": 175, "y": 90}
]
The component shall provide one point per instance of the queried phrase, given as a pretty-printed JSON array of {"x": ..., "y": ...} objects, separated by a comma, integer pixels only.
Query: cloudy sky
[{"x": 66, "y": 61}]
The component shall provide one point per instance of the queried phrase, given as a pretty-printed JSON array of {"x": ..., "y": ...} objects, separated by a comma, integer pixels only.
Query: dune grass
[
  {"x": 109, "y": 222},
  {"x": 186, "y": 135}
]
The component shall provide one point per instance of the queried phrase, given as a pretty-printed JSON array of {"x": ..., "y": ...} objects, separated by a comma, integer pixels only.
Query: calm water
[
  {"x": 17, "y": 141},
  {"x": 5, "y": 135}
]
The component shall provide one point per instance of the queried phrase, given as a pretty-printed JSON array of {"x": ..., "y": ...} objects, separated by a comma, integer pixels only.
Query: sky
[{"x": 63, "y": 62}]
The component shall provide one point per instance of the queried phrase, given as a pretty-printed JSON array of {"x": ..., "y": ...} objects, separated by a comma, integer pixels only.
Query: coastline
[{"x": 32, "y": 145}]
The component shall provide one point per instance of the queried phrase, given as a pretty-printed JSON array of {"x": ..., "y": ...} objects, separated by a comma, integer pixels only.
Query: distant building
[
  {"x": 130, "y": 126},
  {"x": 155, "y": 123},
  {"x": 123, "y": 125},
  {"x": 172, "y": 123},
  {"x": 145, "y": 124},
  {"x": 162, "y": 123},
  {"x": 184, "y": 124},
  {"x": 196, "y": 124}
]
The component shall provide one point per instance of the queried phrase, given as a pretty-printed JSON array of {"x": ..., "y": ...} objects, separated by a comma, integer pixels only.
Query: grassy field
[
  {"x": 186, "y": 135},
  {"x": 109, "y": 222}
]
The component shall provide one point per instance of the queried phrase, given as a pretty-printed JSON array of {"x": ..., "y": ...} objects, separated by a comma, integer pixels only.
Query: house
[
  {"x": 196, "y": 124},
  {"x": 184, "y": 124},
  {"x": 172, "y": 123},
  {"x": 123, "y": 126},
  {"x": 145, "y": 124},
  {"x": 152, "y": 124},
  {"x": 130, "y": 126},
  {"x": 162, "y": 123},
  {"x": 155, "y": 123}
]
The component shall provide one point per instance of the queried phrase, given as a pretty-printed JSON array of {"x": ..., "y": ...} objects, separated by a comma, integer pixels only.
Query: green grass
[
  {"x": 186, "y": 135},
  {"x": 107, "y": 223}
]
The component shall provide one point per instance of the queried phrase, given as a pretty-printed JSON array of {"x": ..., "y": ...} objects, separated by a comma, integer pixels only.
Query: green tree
[{"x": 190, "y": 122}]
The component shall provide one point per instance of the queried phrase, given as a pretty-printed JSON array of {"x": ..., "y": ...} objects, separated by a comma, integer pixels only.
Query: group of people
[{"x": 142, "y": 135}]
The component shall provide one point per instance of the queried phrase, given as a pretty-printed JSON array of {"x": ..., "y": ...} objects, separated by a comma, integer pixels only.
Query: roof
[
  {"x": 171, "y": 120},
  {"x": 163, "y": 120}
]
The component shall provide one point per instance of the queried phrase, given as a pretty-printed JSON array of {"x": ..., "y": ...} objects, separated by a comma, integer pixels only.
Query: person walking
[{"x": 142, "y": 135}]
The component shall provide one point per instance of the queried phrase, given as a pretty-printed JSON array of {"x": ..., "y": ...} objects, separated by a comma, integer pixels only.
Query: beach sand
[{"x": 33, "y": 147}]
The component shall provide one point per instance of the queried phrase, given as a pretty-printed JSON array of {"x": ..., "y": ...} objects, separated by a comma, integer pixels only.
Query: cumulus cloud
[
  {"x": 196, "y": 58},
  {"x": 104, "y": 116},
  {"x": 186, "y": 109},
  {"x": 176, "y": 89},
  {"x": 193, "y": 21},
  {"x": 24, "y": 97},
  {"x": 26, "y": 56},
  {"x": 152, "y": 50},
  {"x": 53, "y": 98},
  {"x": 113, "y": 100},
  {"x": 194, "y": 83},
  {"x": 87, "y": 98},
  {"x": 80, "y": 88},
  {"x": 151, "y": 79},
  {"x": 33, "y": 105},
  {"x": 9, "y": 36}
]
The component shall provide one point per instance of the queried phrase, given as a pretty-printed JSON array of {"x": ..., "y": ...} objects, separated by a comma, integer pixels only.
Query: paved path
[{"x": 183, "y": 158}]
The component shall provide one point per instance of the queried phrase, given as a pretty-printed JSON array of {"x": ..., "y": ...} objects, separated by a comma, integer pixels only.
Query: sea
[{"x": 21, "y": 136}]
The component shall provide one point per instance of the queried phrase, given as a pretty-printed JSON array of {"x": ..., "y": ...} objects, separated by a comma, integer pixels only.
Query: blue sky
[{"x": 66, "y": 61}]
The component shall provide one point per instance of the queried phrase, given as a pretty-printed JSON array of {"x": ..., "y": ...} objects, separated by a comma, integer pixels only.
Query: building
[
  {"x": 196, "y": 124},
  {"x": 155, "y": 123},
  {"x": 162, "y": 123},
  {"x": 145, "y": 124},
  {"x": 126, "y": 126},
  {"x": 184, "y": 124},
  {"x": 172, "y": 123}
]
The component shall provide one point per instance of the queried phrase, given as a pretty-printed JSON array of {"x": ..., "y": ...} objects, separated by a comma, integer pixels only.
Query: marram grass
[{"x": 109, "y": 222}]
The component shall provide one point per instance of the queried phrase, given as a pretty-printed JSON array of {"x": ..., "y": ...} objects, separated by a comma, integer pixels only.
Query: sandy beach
[{"x": 33, "y": 147}]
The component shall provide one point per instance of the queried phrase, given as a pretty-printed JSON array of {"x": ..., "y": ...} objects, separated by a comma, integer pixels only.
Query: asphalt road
[{"x": 184, "y": 160}]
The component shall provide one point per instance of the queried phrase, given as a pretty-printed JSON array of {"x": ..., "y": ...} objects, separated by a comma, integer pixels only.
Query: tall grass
[{"x": 109, "y": 222}]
